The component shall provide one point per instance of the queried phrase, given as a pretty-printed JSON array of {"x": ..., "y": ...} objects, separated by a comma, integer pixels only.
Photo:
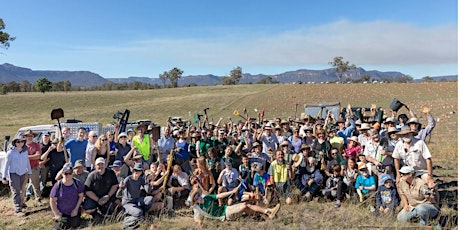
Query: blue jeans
[{"x": 422, "y": 211}]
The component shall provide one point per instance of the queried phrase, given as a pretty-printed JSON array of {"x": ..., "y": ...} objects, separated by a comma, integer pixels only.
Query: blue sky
[{"x": 146, "y": 38}]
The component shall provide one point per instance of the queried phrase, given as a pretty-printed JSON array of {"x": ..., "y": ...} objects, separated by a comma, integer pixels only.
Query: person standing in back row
[
  {"x": 34, "y": 151},
  {"x": 77, "y": 147}
]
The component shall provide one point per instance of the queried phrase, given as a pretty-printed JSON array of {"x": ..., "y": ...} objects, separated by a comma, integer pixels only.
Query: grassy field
[{"x": 23, "y": 109}]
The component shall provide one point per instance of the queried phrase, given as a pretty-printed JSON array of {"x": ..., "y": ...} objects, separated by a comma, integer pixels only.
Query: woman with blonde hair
[
  {"x": 101, "y": 149},
  {"x": 203, "y": 176}
]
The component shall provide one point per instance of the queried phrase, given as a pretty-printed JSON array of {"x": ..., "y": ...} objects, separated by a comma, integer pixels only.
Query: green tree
[
  {"x": 5, "y": 38},
  {"x": 43, "y": 85},
  {"x": 267, "y": 80},
  {"x": 67, "y": 85},
  {"x": 228, "y": 81},
  {"x": 236, "y": 74},
  {"x": 404, "y": 79},
  {"x": 427, "y": 79},
  {"x": 163, "y": 77},
  {"x": 174, "y": 76},
  {"x": 3, "y": 89},
  {"x": 26, "y": 86},
  {"x": 341, "y": 67}
]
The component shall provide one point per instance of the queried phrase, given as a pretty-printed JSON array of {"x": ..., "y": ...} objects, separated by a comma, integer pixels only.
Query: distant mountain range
[{"x": 10, "y": 73}]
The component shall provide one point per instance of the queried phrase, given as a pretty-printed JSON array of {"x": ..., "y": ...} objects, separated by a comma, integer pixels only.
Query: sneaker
[
  {"x": 338, "y": 204},
  {"x": 371, "y": 208},
  {"x": 273, "y": 211}
]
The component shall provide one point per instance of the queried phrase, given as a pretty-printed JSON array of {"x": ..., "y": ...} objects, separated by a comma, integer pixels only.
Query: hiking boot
[
  {"x": 307, "y": 196},
  {"x": 338, "y": 204},
  {"x": 273, "y": 211}
]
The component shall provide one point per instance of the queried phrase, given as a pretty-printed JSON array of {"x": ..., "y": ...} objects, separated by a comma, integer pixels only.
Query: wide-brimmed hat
[
  {"x": 255, "y": 144},
  {"x": 386, "y": 177},
  {"x": 130, "y": 131},
  {"x": 353, "y": 138},
  {"x": 413, "y": 120},
  {"x": 340, "y": 120},
  {"x": 358, "y": 122},
  {"x": 389, "y": 120},
  {"x": 304, "y": 146},
  {"x": 193, "y": 135},
  {"x": 407, "y": 169},
  {"x": 405, "y": 130},
  {"x": 284, "y": 122},
  {"x": 123, "y": 134},
  {"x": 298, "y": 120},
  {"x": 391, "y": 130},
  {"x": 29, "y": 132},
  {"x": 17, "y": 138},
  {"x": 47, "y": 133},
  {"x": 365, "y": 126},
  {"x": 277, "y": 127},
  {"x": 244, "y": 128},
  {"x": 268, "y": 127},
  {"x": 140, "y": 126},
  {"x": 297, "y": 159}
]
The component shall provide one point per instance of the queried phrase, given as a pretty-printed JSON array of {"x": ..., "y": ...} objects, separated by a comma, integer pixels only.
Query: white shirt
[
  {"x": 88, "y": 154},
  {"x": 415, "y": 156}
]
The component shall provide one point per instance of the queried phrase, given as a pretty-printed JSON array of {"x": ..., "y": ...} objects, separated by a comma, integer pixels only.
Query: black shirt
[{"x": 100, "y": 184}]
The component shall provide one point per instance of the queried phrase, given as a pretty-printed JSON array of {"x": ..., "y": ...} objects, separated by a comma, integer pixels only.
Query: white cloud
[{"x": 377, "y": 43}]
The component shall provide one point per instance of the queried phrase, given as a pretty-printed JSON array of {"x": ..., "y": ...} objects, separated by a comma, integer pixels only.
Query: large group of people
[{"x": 228, "y": 169}]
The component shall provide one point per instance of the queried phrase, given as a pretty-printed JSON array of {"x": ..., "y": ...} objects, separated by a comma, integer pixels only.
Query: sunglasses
[
  {"x": 68, "y": 173},
  {"x": 363, "y": 169},
  {"x": 94, "y": 136},
  {"x": 122, "y": 137},
  {"x": 104, "y": 140},
  {"x": 20, "y": 141}
]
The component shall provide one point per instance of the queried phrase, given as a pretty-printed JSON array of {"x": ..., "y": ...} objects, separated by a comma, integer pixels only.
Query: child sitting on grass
[
  {"x": 365, "y": 183},
  {"x": 386, "y": 197}
]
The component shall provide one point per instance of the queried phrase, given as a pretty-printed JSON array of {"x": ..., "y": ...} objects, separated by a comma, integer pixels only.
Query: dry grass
[{"x": 22, "y": 109}]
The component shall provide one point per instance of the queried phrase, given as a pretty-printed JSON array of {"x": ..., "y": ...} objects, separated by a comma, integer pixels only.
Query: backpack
[{"x": 60, "y": 185}]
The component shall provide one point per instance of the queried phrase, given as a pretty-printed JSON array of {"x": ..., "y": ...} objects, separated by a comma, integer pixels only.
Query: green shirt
[{"x": 211, "y": 207}]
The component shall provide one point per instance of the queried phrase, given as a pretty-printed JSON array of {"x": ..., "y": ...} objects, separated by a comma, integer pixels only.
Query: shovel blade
[{"x": 57, "y": 113}]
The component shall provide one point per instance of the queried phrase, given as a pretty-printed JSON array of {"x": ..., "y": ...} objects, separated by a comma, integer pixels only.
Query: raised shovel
[{"x": 56, "y": 114}]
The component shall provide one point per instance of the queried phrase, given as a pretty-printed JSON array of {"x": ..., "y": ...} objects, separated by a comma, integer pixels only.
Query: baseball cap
[{"x": 100, "y": 160}]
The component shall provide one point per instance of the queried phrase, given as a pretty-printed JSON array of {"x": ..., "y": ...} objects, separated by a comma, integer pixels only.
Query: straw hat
[
  {"x": 353, "y": 138},
  {"x": 405, "y": 130},
  {"x": 391, "y": 130},
  {"x": 29, "y": 132},
  {"x": 297, "y": 159},
  {"x": 365, "y": 126}
]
